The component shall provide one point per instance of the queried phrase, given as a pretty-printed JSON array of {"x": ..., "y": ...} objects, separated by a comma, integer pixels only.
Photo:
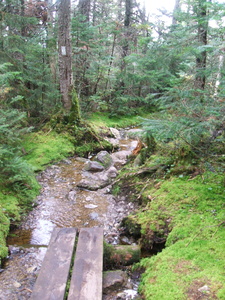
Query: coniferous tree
[{"x": 65, "y": 54}]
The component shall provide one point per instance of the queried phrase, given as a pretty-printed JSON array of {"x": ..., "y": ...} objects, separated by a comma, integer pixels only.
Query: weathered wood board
[
  {"x": 86, "y": 281},
  {"x": 52, "y": 278}
]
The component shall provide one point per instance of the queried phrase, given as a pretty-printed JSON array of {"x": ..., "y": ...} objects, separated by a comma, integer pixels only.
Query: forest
[{"x": 70, "y": 70}]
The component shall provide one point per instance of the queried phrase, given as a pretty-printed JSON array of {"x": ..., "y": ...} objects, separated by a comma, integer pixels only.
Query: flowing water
[{"x": 61, "y": 203}]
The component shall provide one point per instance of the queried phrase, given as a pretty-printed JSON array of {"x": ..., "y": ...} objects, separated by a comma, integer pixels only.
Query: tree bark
[
  {"x": 219, "y": 75},
  {"x": 127, "y": 34},
  {"x": 65, "y": 54},
  {"x": 175, "y": 12},
  {"x": 51, "y": 40},
  {"x": 202, "y": 20},
  {"x": 84, "y": 7}
]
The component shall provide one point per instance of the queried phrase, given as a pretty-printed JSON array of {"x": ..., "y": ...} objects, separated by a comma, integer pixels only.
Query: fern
[{"x": 14, "y": 171}]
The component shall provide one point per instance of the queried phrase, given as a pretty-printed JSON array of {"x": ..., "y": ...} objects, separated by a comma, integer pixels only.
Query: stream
[{"x": 62, "y": 203}]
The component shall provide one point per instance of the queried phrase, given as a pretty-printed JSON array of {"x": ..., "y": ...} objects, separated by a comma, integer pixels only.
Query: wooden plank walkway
[
  {"x": 86, "y": 281},
  {"x": 53, "y": 276}
]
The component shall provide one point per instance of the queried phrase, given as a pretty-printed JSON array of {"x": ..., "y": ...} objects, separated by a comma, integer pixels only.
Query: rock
[
  {"x": 66, "y": 161},
  {"x": 204, "y": 289},
  {"x": 133, "y": 145},
  {"x": 121, "y": 255},
  {"x": 127, "y": 294},
  {"x": 32, "y": 269},
  {"x": 138, "y": 161},
  {"x": 94, "y": 181},
  {"x": 127, "y": 241},
  {"x": 81, "y": 159},
  {"x": 93, "y": 185},
  {"x": 104, "y": 158},
  {"x": 17, "y": 284},
  {"x": 91, "y": 206},
  {"x": 112, "y": 172},
  {"x": 113, "y": 280},
  {"x": 93, "y": 216},
  {"x": 115, "y": 132},
  {"x": 113, "y": 141},
  {"x": 93, "y": 166},
  {"x": 71, "y": 195},
  {"x": 120, "y": 157}
]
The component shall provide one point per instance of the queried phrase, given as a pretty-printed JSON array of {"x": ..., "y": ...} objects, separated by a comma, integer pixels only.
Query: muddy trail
[{"x": 64, "y": 203}]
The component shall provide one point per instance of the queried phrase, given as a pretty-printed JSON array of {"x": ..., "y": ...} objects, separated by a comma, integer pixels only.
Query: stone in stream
[
  {"x": 115, "y": 132},
  {"x": 104, "y": 158},
  {"x": 93, "y": 183},
  {"x": 93, "y": 216},
  {"x": 93, "y": 166},
  {"x": 72, "y": 195},
  {"x": 114, "y": 280},
  {"x": 90, "y": 206},
  {"x": 112, "y": 172},
  {"x": 120, "y": 157}
]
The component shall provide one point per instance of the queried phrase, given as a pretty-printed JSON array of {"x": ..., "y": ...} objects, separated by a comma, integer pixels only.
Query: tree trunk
[
  {"x": 219, "y": 75},
  {"x": 175, "y": 12},
  {"x": 65, "y": 57},
  {"x": 51, "y": 40},
  {"x": 84, "y": 7},
  {"x": 111, "y": 59},
  {"x": 127, "y": 34},
  {"x": 202, "y": 20}
]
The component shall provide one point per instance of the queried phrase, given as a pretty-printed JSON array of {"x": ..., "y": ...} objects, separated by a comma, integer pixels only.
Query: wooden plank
[
  {"x": 86, "y": 281},
  {"x": 52, "y": 278}
]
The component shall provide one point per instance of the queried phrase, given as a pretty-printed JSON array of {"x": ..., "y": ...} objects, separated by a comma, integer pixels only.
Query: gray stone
[
  {"x": 93, "y": 216},
  {"x": 93, "y": 166},
  {"x": 115, "y": 132},
  {"x": 104, "y": 158},
  {"x": 72, "y": 195},
  {"x": 113, "y": 280},
  {"x": 138, "y": 161},
  {"x": 94, "y": 185},
  {"x": 112, "y": 172},
  {"x": 81, "y": 159},
  {"x": 120, "y": 158},
  {"x": 91, "y": 206},
  {"x": 204, "y": 289},
  {"x": 127, "y": 295}
]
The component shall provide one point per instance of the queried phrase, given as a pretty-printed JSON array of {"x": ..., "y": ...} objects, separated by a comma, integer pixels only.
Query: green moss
[
  {"x": 4, "y": 229},
  {"x": 99, "y": 120},
  {"x": 10, "y": 206},
  {"x": 193, "y": 212},
  {"x": 45, "y": 148}
]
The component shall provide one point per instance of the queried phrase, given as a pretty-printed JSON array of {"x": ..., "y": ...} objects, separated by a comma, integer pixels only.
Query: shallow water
[{"x": 62, "y": 204}]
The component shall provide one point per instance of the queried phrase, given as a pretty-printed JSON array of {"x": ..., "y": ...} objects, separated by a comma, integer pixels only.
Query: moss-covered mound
[{"x": 189, "y": 215}]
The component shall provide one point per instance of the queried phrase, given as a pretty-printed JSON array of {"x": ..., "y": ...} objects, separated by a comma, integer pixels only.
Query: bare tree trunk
[
  {"x": 175, "y": 12},
  {"x": 202, "y": 20},
  {"x": 127, "y": 34},
  {"x": 65, "y": 57},
  {"x": 51, "y": 41},
  {"x": 84, "y": 7},
  {"x": 219, "y": 75},
  {"x": 111, "y": 60}
]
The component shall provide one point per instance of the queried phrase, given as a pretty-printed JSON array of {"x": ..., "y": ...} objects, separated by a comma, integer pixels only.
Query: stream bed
[{"x": 62, "y": 203}]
